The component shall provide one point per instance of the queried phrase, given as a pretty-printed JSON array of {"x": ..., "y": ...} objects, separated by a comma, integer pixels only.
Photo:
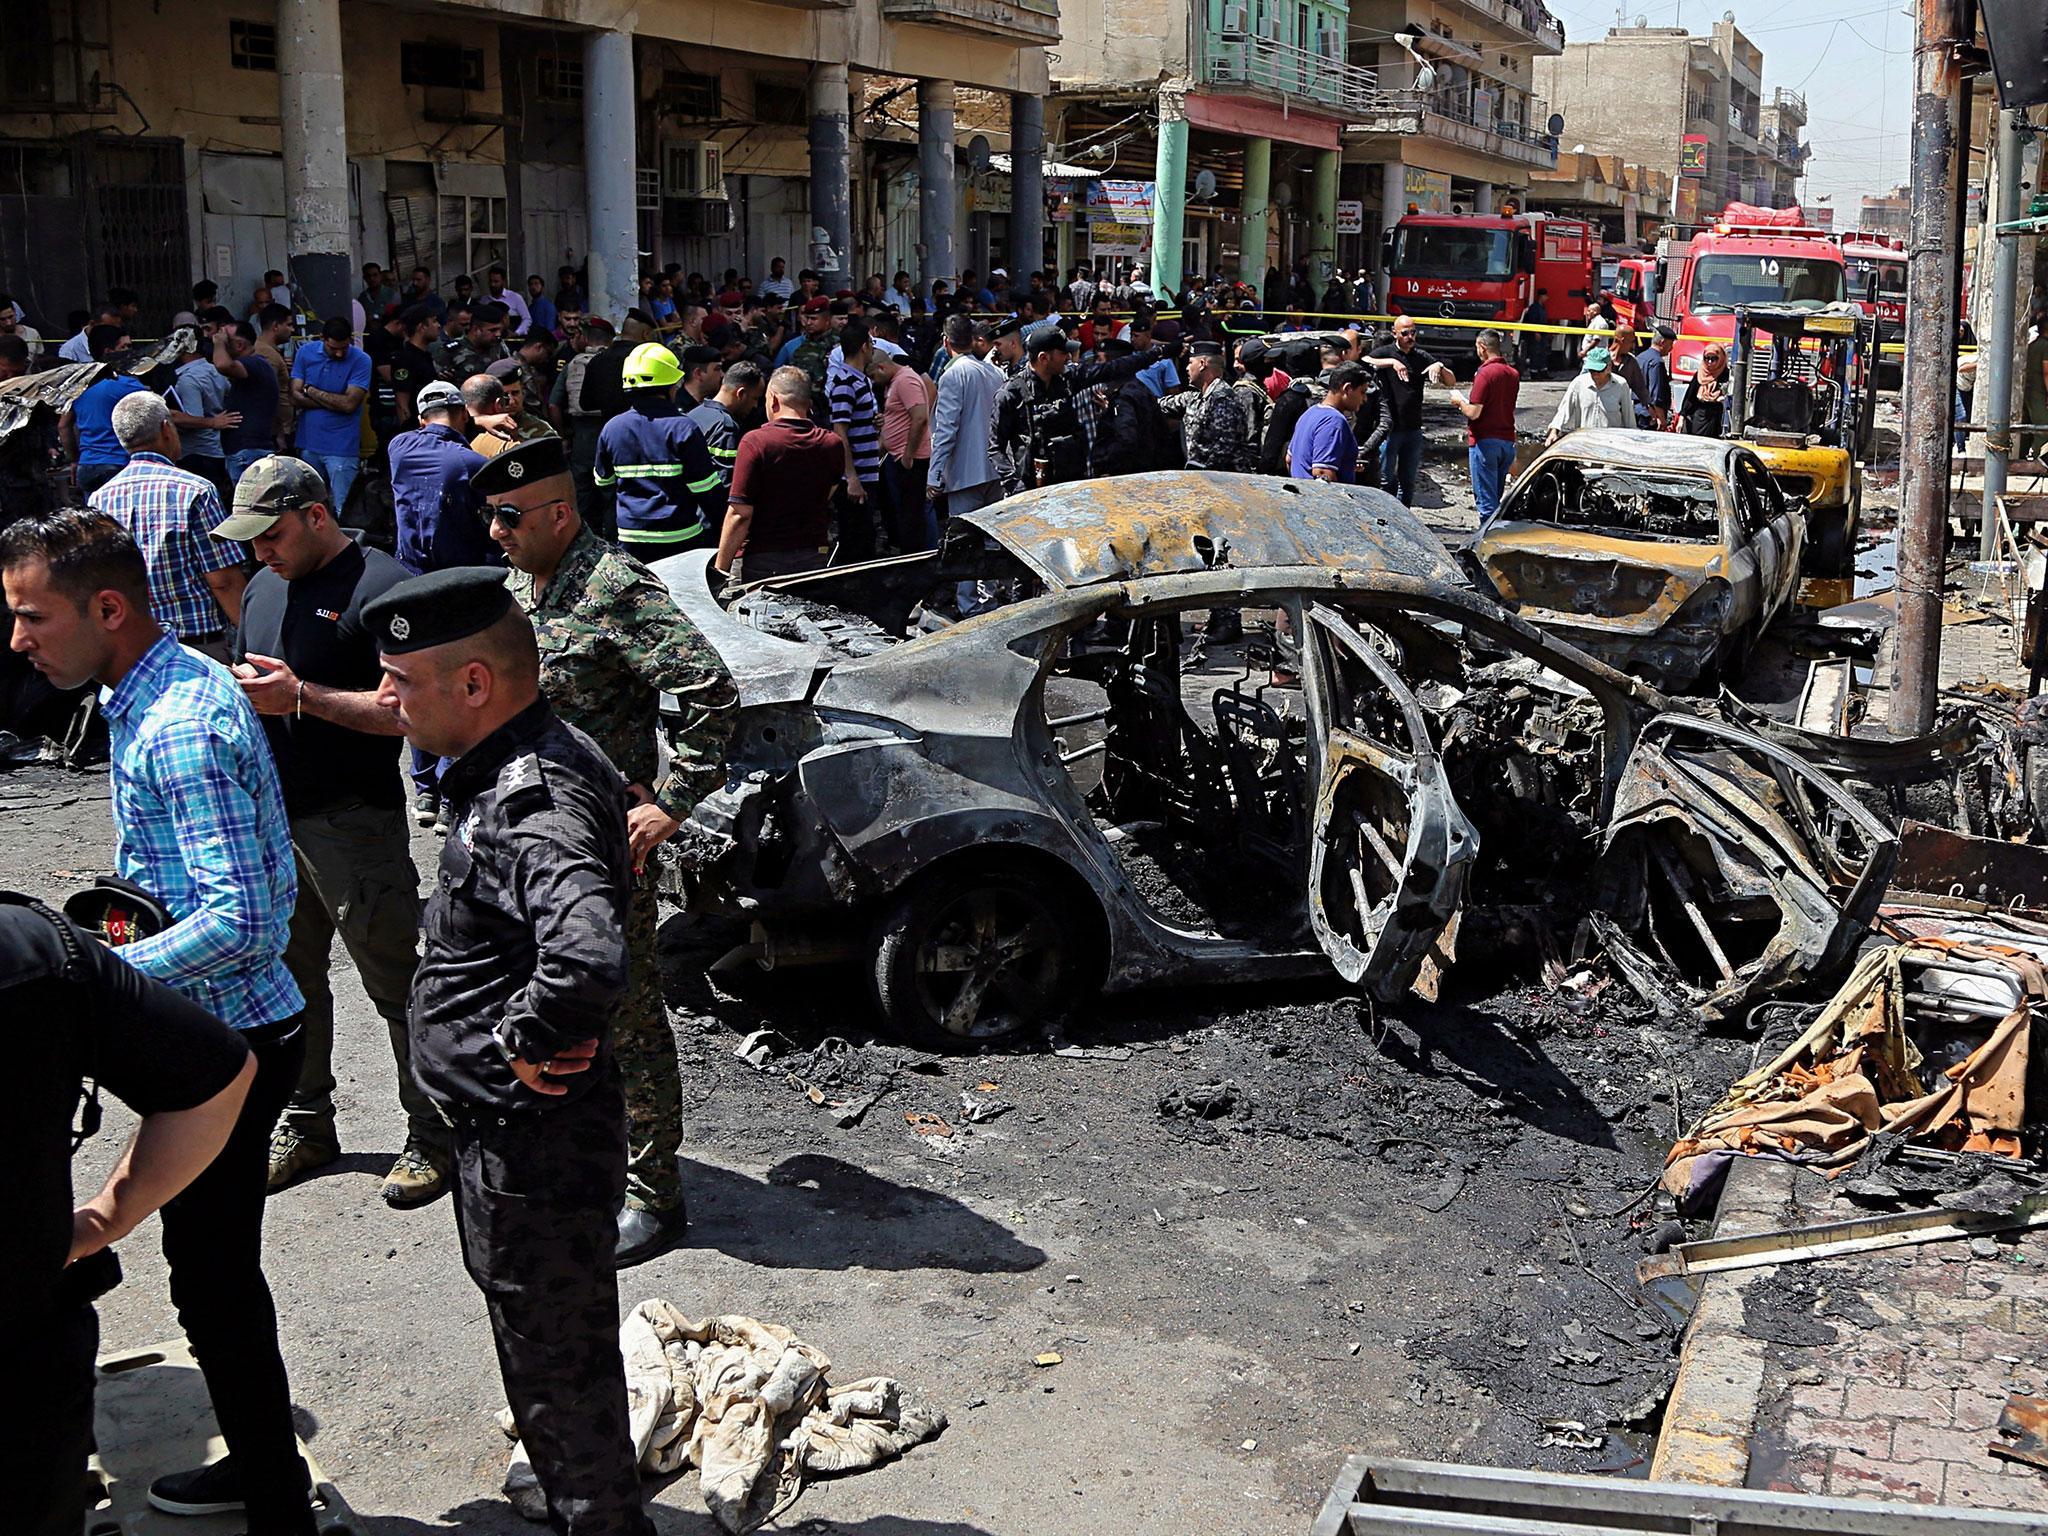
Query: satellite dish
[
  {"x": 977, "y": 154},
  {"x": 1283, "y": 195},
  {"x": 1556, "y": 124},
  {"x": 1205, "y": 184}
]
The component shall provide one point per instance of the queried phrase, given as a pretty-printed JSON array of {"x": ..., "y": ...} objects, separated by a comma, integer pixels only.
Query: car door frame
[{"x": 1387, "y": 940}]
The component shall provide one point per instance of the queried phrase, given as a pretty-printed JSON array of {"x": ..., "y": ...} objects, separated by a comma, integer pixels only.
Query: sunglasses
[{"x": 511, "y": 516}]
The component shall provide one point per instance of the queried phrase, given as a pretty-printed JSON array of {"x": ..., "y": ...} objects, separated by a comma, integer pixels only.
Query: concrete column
[
  {"x": 1027, "y": 183},
  {"x": 1254, "y": 211},
  {"x": 1393, "y": 204},
  {"x": 309, "y": 102},
  {"x": 935, "y": 180},
  {"x": 1322, "y": 228},
  {"x": 831, "y": 173},
  {"x": 610, "y": 156},
  {"x": 1169, "y": 200},
  {"x": 1482, "y": 197},
  {"x": 1998, "y": 332}
]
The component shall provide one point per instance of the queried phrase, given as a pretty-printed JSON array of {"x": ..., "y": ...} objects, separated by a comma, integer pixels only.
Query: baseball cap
[
  {"x": 437, "y": 396},
  {"x": 1599, "y": 360},
  {"x": 273, "y": 485}
]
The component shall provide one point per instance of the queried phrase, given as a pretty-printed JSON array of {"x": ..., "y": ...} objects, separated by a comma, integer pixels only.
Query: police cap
[
  {"x": 526, "y": 463},
  {"x": 1009, "y": 325},
  {"x": 437, "y": 608},
  {"x": 1045, "y": 338},
  {"x": 1204, "y": 349}
]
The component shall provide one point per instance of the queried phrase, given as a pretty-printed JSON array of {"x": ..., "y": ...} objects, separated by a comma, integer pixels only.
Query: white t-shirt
[{"x": 77, "y": 350}]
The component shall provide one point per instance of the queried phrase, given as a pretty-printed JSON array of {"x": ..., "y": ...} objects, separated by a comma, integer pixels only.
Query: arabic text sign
[
  {"x": 1120, "y": 202},
  {"x": 1692, "y": 155},
  {"x": 1350, "y": 216}
]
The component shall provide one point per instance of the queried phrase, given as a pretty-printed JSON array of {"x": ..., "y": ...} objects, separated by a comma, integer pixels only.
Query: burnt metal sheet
[
  {"x": 765, "y": 668},
  {"x": 56, "y": 388},
  {"x": 1648, "y": 450},
  {"x": 1987, "y": 869},
  {"x": 2023, "y": 1431},
  {"x": 1176, "y": 521}
]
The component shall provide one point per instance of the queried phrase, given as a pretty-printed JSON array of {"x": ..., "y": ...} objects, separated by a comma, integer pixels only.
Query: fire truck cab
[
  {"x": 1877, "y": 284},
  {"x": 1489, "y": 266},
  {"x": 1749, "y": 256}
]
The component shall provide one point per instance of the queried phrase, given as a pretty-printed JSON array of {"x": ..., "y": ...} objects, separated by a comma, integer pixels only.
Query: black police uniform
[
  {"x": 85, "y": 1014},
  {"x": 1036, "y": 423},
  {"x": 525, "y": 954}
]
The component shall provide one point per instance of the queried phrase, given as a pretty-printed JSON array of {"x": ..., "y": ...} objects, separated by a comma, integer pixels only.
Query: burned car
[
  {"x": 1002, "y": 816},
  {"x": 1663, "y": 555}
]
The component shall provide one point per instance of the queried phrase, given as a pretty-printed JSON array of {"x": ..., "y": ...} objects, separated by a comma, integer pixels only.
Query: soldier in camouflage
[
  {"x": 473, "y": 352},
  {"x": 611, "y": 640},
  {"x": 814, "y": 352}
]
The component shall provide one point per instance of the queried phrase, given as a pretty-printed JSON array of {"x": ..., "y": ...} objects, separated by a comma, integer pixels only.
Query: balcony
[
  {"x": 1262, "y": 64},
  {"x": 1406, "y": 113},
  {"x": 1527, "y": 17},
  {"x": 1788, "y": 100},
  {"x": 1022, "y": 21}
]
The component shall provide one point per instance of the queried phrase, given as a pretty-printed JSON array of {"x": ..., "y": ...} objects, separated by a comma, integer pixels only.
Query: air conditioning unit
[
  {"x": 694, "y": 169},
  {"x": 1235, "y": 23},
  {"x": 693, "y": 218}
]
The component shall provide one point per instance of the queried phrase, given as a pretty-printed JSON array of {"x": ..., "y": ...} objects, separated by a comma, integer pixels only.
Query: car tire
[
  {"x": 1831, "y": 550},
  {"x": 1016, "y": 935}
]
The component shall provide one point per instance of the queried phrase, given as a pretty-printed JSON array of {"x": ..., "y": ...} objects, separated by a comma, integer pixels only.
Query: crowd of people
[{"x": 257, "y": 662}]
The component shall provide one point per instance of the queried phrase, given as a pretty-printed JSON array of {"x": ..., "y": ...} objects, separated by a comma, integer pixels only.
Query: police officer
[
  {"x": 1212, "y": 421},
  {"x": 579, "y": 415},
  {"x": 185, "y": 1073},
  {"x": 522, "y": 967},
  {"x": 1037, "y": 437},
  {"x": 667, "y": 489},
  {"x": 611, "y": 639}
]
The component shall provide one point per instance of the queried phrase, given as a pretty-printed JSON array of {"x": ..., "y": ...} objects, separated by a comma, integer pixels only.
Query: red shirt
[
  {"x": 1494, "y": 389},
  {"x": 786, "y": 471}
]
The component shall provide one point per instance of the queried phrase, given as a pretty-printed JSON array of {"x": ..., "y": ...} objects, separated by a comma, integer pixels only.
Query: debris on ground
[
  {"x": 747, "y": 1404},
  {"x": 2023, "y": 1431}
]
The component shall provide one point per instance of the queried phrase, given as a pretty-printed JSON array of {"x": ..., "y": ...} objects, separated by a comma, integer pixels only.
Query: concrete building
[
  {"x": 1886, "y": 214},
  {"x": 1691, "y": 107},
  {"x": 148, "y": 145},
  {"x": 1627, "y": 202},
  {"x": 1472, "y": 138},
  {"x": 1275, "y": 134}
]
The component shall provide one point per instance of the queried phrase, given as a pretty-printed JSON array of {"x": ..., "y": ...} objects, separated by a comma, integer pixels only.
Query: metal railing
[
  {"x": 1785, "y": 99},
  {"x": 1526, "y": 16},
  {"x": 1263, "y": 64}
]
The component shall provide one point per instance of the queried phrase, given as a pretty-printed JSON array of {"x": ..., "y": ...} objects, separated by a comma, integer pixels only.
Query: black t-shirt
[
  {"x": 315, "y": 625},
  {"x": 151, "y": 1048},
  {"x": 412, "y": 370},
  {"x": 1405, "y": 395}
]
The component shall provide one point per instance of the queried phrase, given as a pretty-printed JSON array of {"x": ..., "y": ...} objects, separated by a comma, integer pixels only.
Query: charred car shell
[
  {"x": 1661, "y": 554},
  {"x": 919, "y": 803}
]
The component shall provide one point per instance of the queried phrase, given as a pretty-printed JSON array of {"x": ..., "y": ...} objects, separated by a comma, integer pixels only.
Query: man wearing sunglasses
[{"x": 611, "y": 641}]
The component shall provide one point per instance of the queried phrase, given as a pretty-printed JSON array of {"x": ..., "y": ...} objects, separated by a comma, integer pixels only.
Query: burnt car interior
[{"x": 1572, "y": 493}]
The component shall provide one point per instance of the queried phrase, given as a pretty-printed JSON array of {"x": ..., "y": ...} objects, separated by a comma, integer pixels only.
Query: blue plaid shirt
[
  {"x": 171, "y": 515},
  {"x": 199, "y": 823}
]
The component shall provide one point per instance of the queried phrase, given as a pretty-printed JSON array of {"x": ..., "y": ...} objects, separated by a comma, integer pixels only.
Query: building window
[
  {"x": 473, "y": 235},
  {"x": 252, "y": 45},
  {"x": 686, "y": 93},
  {"x": 441, "y": 65},
  {"x": 558, "y": 78},
  {"x": 780, "y": 101}
]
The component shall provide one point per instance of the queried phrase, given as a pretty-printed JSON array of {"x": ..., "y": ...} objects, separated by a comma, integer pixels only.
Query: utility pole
[
  {"x": 1933, "y": 240},
  {"x": 1995, "y": 338}
]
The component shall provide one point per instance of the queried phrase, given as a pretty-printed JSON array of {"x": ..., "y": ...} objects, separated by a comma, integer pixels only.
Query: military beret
[
  {"x": 437, "y": 608},
  {"x": 541, "y": 458},
  {"x": 818, "y": 306}
]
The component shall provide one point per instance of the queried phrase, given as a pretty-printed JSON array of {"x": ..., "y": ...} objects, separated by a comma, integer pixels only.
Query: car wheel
[
  {"x": 970, "y": 954},
  {"x": 1831, "y": 552}
]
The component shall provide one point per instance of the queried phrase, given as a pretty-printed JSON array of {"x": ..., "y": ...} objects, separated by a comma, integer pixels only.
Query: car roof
[
  {"x": 1175, "y": 521},
  {"x": 1648, "y": 450}
]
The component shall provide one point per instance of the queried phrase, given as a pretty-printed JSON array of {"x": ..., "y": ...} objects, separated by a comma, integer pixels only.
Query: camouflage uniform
[
  {"x": 458, "y": 359},
  {"x": 1258, "y": 405},
  {"x": 1213, "y": 427},
  {"x": 814, "y": 354},
  {"x": 610, "y": 639}
]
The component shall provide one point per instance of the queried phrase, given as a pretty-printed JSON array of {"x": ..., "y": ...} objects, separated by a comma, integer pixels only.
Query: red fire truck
[
  {"x": 1635, "y": 293},
  {"x": 1877, "y": 282},
  {"x": 1489, "y": 266},
  {"x": 1749, "y": 255}
]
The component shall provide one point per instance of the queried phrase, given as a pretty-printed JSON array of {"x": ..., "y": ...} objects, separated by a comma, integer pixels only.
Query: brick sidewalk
[{"x": 1931, "y": 1340}]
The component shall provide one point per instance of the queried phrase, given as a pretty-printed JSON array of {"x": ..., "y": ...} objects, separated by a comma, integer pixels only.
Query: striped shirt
[
  {"x": 199, "y": 823},
  {"x": 170, "y": 513},
  {"x": 852, "y": 399}
]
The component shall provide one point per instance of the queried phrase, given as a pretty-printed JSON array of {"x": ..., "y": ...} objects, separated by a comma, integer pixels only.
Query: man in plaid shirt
[
  {"x": 199, "y": 823},
  {"x": 195, "y": 580}
]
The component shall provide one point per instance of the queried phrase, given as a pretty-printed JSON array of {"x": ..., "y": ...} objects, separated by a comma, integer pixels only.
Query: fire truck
[
  {"x": 1877, "y": 282},
  {"x": 1489, "y": 266},
  {"x": 1749, "y": 255}
]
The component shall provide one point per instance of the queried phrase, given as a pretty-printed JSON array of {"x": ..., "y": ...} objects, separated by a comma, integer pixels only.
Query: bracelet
[{"x": 299, "y": 704}]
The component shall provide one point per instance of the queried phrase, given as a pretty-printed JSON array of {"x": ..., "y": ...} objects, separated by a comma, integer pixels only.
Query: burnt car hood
[
  {"x": 1175, "y": 521},
  {"x": 1583, "y": 577}
]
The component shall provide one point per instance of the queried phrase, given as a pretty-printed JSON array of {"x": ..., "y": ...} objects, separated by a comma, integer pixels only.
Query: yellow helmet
[{"x": 650, "y": 366}]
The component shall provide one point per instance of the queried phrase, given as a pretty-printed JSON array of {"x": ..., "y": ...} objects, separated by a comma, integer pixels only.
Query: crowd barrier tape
[{"x": 1441, "y": 322}]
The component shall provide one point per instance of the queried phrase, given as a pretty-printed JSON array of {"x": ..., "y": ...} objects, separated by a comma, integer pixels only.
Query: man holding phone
[{"x": 309, "y": 667}]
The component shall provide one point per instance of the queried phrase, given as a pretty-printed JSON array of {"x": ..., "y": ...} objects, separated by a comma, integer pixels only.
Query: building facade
[
  {"x": 146, "y": 145},
  {"x": 1628, "y": 203}
]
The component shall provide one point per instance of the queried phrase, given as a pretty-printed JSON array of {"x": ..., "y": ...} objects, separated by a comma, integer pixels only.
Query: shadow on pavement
[
  {"x": 493, "y": 1516},
  {"x": 815, "y": 1212}
]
